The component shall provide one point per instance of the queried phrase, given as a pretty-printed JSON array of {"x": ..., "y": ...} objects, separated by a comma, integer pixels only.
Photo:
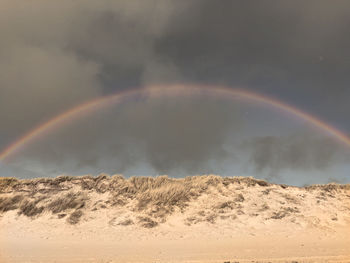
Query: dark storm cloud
[
  {"x": 296, "y": 50},
  {"x": 57, "y": 54},
  {"x": 300, "y": 152},
  {"x": 182, "y": 134},
  {"x": 54, "y": 55},
  {"x": 169, "y": 136}
]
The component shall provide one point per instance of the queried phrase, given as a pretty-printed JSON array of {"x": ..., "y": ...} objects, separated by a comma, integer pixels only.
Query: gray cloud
[
  {"x": 299, "y": 152},
  {"x": 54, "y": 55},
  {"x": 59, "y": 54},
  {"x": 182, "y": 136},
  {"x": 169, "y": 136},
  {"x": 295, "y": 50}
]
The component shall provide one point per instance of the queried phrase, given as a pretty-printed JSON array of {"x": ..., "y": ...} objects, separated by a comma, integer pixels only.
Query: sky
[{"x": 56, "y": 55}]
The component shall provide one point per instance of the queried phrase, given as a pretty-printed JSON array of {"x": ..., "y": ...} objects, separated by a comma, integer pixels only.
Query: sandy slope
[{"x": 198, "y": 219}]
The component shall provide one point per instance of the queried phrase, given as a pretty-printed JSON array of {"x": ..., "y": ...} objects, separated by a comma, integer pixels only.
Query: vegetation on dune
[
  {"x": 10, "y": 203},
  {"x": 153, "y": 199},
  {"x": 66, "y": 202},
  {"x": 74, "y": 218}
]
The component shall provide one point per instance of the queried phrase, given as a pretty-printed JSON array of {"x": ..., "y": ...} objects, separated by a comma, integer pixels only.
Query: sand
[{"x": 198, "y": 219}]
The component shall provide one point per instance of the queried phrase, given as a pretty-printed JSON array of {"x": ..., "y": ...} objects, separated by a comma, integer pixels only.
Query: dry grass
[
  {"x": 285, "y": 211},
  {"x": 239, "y": 198},
  {"x": 30, "y": 209},
  {"x": 66, "y": 202},
  {"x": 7, "y": 184},
  {"x": 74, "y": 218},
  {"x": 126, "y": 222},
  {"x": 264, "y": 207},
  {"x": 226, "y": 205},
  {"x": 10, "y": 203},
  {"x": 122, "y": 186},
  {"x": 147, "y": 222}
]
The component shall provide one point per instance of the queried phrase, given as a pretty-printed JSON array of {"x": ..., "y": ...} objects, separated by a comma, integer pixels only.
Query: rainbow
[{"x": 158, "y": 91}]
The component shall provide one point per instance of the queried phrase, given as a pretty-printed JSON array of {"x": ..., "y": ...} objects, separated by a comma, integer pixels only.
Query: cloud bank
[{"x": 54, "y": 55}]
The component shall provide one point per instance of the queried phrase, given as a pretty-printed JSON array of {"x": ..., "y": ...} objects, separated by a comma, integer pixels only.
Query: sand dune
[{"x": 195, "y": 219}]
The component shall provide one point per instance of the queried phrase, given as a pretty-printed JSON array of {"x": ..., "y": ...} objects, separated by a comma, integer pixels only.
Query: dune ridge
[{"x": 154, "y": 199}]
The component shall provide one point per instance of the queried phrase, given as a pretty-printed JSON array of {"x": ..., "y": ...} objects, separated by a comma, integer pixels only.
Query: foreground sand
[{"x": 198, "y": 219}]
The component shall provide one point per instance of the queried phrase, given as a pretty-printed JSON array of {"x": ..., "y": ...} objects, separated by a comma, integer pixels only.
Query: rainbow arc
[{"x": 172, "y": 90}]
